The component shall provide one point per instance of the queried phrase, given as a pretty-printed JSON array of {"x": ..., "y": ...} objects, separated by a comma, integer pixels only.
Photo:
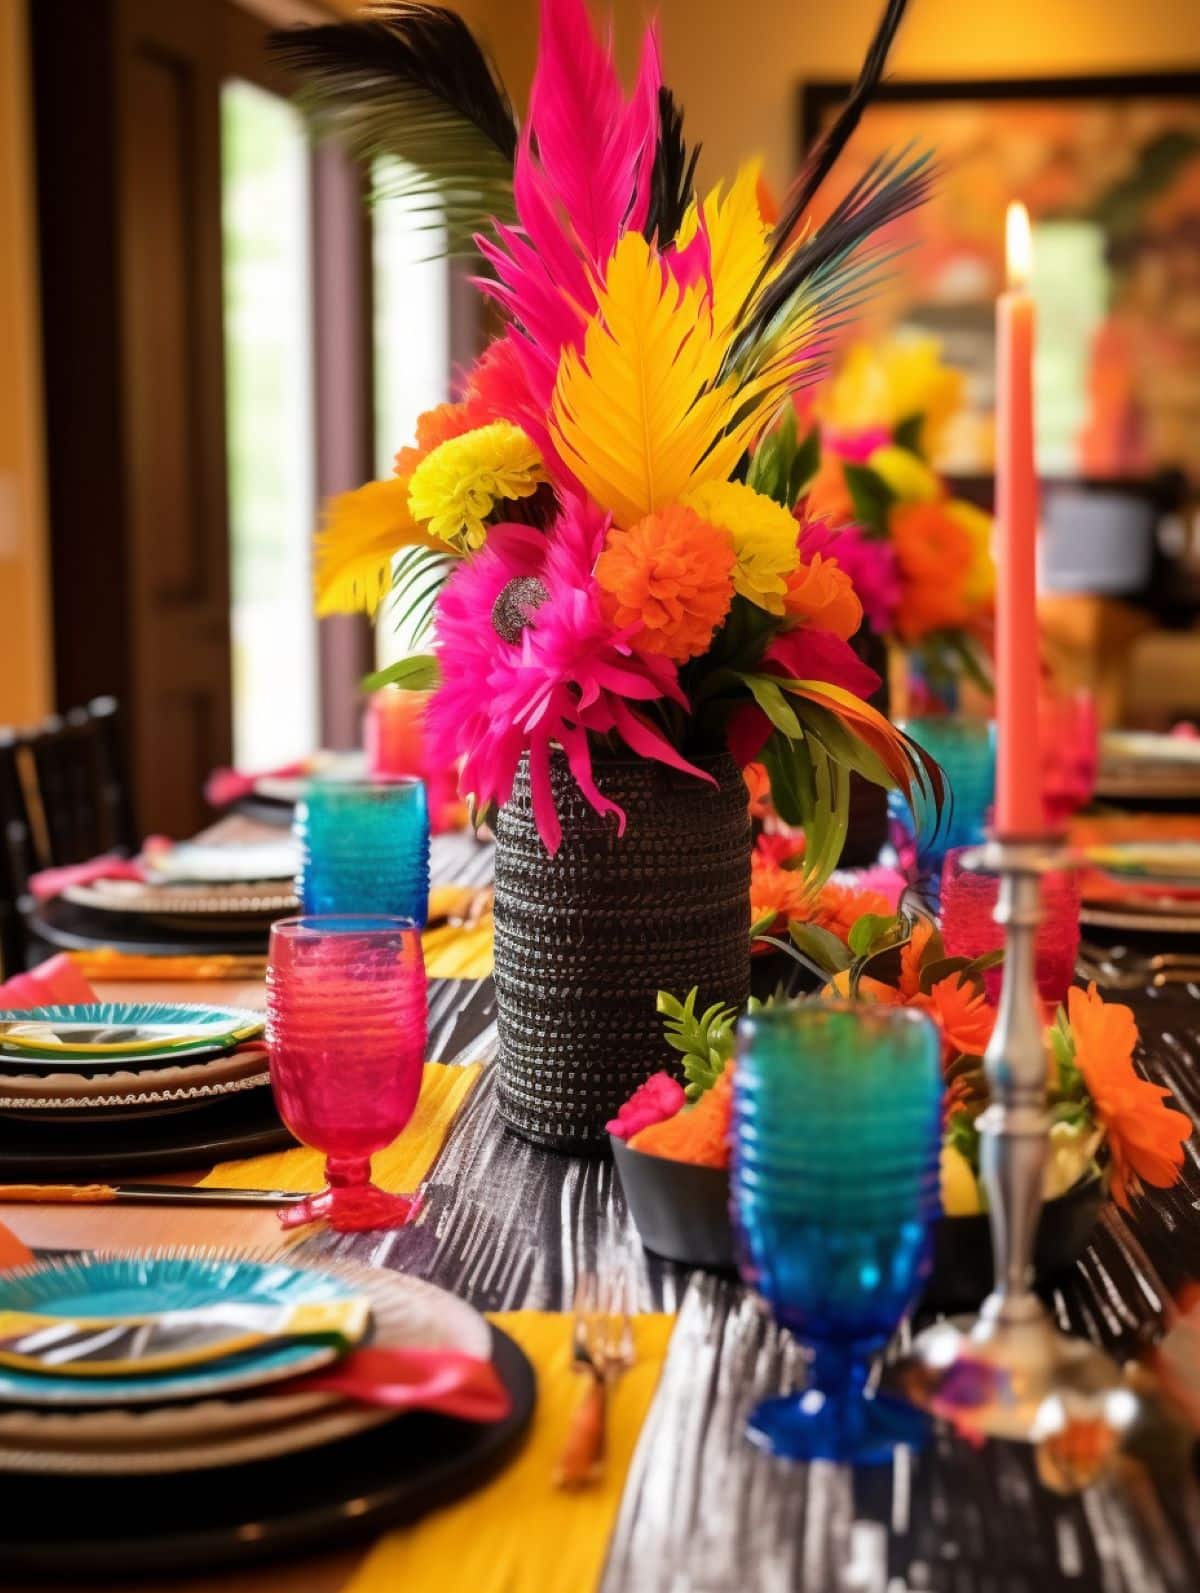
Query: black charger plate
[
  {"x": 315, "y": 1500},
  {"x": 41, "y": 1148},
  {"x": 69, "y": 927}
]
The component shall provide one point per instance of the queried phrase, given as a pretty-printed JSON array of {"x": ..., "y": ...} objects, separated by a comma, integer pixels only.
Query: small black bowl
[
  {"x": 681, "y": 1210},
  {"x": 962, "y": 1248}
]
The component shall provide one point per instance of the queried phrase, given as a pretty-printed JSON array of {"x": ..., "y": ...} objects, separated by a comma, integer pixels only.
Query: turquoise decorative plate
[
  {"x": 137, "y": 1285},
  {"x": 123, "y": 1029}
]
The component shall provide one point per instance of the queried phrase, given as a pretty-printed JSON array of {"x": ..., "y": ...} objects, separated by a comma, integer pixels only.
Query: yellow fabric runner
[
  {"x": 399, "y": 1168},
  {"x": 452, "y": 952},
  {"x": 521, "y": 1534}
]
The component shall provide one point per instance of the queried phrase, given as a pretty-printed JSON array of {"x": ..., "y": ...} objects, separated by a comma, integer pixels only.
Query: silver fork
[
  {"x": 1135, "y": 972},
  {"x": 602, "y": 1348}
]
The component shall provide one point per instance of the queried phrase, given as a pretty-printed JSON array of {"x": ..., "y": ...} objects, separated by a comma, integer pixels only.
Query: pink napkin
[
  {"x": 48, "y": 882},
  {"x": 227, "y": 786},
  {"x": 413, "y": 1379},
  {"x": 52, "y": 983}
]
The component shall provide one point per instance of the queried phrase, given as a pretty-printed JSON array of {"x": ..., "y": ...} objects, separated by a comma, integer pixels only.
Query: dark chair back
[{"x": 63, "y": 799}]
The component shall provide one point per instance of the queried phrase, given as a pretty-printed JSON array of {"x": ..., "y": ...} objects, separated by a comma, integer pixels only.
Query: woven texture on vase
[{"x": 586, "y": 939}]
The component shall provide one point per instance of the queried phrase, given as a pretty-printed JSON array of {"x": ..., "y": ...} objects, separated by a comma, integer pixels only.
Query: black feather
[
  {"x": 890, "y": 187},
  {"x": 827, "y": 149},
  {"x": 673, "y": 180},
  {"x": 411, "y": 82}
]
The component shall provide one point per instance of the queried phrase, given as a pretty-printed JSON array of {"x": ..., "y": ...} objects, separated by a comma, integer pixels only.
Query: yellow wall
[
  {"x": 24, "y": 616},
  {"x": 735, "y": 63}
]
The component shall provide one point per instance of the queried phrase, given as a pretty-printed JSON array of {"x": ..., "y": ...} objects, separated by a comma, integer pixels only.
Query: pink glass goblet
[
  {"x": 969, "y": 927},
  {"x": 346, "y": 1019}
]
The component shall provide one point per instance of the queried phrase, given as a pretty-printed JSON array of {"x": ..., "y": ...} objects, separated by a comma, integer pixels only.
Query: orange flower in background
[
  {"x": 961, "y": 1011},
  {"x": 822, "y": 595},
  {"x": 839, "y": 907},
  {"x": 435, "y": 427},
  {"x": 1145, "y": 1137},
  {"x": 829, "y": 497},
  {"x": 934, "y": 555},
  {"x": 868, "y": 989},
  {"x": 774, "y": 891},
  {"x": 670, "y": 576},
  {"x": 912, "y": 954},
  {"x": 758, "y": 789}
]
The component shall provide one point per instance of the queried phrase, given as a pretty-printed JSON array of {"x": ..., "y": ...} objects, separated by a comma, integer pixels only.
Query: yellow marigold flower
[
  {"x": 763, "y": 535},
  {"x": 909, "y": 478},
  {"x": 883, "y": 386},
  {"x": 362, "y": 532},
  {"x": 979, "y": 585},
  {"x": 455, "y": 488}
]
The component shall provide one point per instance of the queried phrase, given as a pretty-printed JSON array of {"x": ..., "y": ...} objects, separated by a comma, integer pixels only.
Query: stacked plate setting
[
  {"x": 226, "y": 1410},
  {"x": 126, "y": 1057}
]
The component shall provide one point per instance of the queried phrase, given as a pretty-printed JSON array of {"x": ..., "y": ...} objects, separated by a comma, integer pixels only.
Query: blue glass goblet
[
  {"x": 836, "y": 1138},
  {"x": 364, "y": 848},
  {"x": 966, "y": 750}
]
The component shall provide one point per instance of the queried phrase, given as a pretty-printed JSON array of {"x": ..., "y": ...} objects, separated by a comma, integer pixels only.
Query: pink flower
[
  {"x": 869, "y": 562},
  {"x": 567, "y": 677},
  {"x": 888, "y": 882},
  {"x": 658, "y": 1099},
  {"x": 856, "y": 446}
]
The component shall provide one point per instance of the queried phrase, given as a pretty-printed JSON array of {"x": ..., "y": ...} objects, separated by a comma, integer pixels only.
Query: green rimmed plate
[{"x": 120, "y": 1029}]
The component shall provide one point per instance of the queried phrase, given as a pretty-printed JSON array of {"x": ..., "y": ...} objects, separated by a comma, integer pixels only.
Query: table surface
[{"x": 508, "y": 1225}]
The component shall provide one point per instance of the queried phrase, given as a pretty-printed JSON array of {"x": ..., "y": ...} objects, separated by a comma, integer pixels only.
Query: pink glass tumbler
[
  {"x": 969, "y": 928},
  {"x": 346, "y": 1020}
]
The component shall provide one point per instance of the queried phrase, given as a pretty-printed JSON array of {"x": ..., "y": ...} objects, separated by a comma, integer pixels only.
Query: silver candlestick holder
[{"x": 1010, "y": 1372}]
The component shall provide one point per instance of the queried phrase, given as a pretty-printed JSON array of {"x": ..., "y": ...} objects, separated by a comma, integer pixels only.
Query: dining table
[{"x": 508, "y": 1225}]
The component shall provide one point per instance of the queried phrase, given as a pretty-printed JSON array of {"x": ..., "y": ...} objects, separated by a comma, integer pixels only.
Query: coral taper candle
[{"x": 1018, "y": 772}]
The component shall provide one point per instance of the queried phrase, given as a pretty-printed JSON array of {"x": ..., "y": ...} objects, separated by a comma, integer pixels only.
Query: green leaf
[
  {"x": 871, "y": 932},
  {"x": 789, "y": 766},
  {"x": 871, "y": 496},
  {"x": 767, "y": 694},
  {"x": 907, "y": 434},
  {"x": 418, "y": 673},
  {"x": 805, "y": 465},
  {"x": 820, "y": 946}
]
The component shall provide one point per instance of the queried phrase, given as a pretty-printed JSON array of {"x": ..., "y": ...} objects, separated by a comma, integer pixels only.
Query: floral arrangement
[
  {"x": 1106, "y": 1119},
  {"x": 592, "y": 538},
  {"x": 920, "y": 560},
  {"x": 780, "y": 896}
]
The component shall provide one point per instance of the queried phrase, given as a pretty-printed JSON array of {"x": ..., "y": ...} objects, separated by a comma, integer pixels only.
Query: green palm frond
[{"x": 408, "y": 91}]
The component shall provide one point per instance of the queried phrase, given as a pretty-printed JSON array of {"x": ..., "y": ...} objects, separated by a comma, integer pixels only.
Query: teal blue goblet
[
  {"x": 364, "y": 848},
  {"x": 836, "y": 1138}
]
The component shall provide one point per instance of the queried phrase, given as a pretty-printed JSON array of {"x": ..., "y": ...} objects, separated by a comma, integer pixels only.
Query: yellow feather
[
  {"x": 637, "y": 419},
  {"x": 737, "y": 239},
  {"x": 362, "y": 532}
]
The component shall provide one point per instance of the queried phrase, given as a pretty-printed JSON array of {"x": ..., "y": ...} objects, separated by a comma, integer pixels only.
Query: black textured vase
[{"x": 586, "y": 938}]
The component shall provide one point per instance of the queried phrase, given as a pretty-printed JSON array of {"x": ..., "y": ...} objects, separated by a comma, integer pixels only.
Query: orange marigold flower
[
  {"x": 670, "y": 576},
  {"x": 961, "y": 1011},
  {"x": 775, "y": 891},
  {"x": 839, "y": 907},
  {"x": 934, "y": 557},
  {"x": 435, "y": 427},
  {"x": 829, "y": 496},
  {"x": 872, "y": 990},
  {"x": 698, "y": 1134},
  {"x": 822, "y": 595},
  {"x": 1145, "y": 1137}
]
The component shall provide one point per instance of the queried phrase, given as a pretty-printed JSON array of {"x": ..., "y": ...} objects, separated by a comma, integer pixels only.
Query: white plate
[
  {"x": 233, "y": 862},
  {"x": 406, "y": 1312}
]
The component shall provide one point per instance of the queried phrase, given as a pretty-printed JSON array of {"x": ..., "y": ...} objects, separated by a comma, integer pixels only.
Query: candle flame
[{"x": 1018, "y": 238}]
